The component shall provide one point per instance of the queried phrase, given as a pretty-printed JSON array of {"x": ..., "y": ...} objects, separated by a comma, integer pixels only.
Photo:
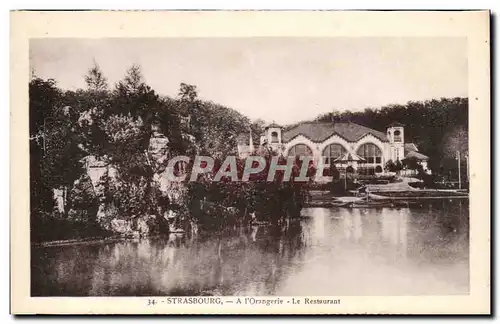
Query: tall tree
[
  {"x": 188, "y": 93},
  {"x": 133, "y": 96},
  {"x": 95, "y": 79},
  {"x": 55, "y": 157},
  {"x": 43, "y": 97},
  {"x": 93, "y": 105}
]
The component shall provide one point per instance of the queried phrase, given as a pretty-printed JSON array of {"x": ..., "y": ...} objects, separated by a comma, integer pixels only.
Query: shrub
[
  {"x": 82, "y": 201},
  {"x": 215, "y": 204}
]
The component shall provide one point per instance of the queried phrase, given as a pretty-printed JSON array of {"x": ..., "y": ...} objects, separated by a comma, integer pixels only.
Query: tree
[
  {"x": 411, "y": 163},
  {"x": 220, "y": 126},
  {"x": 55, "y": 157},
  {"x": 170, "y": 122},
  {"x": 456, "y": 139},
  {"x": 95, "y": 79},
  {"x": 398, "y": 166},
  {"x": 133, "y": 96},
  {"x": 213, "y": 126},
  {"x": 390, "y": 166},
  {"x": 126, "y": 147},
  {"x": 190, "y": 109},
  {"x": 133, "y": 81},
  {"x": 43, "y": 97},
  {"x": 61, "y": 164},
  {"x": 188, "y": 93},
  {"x": 93, "y": 105},
  {"x": 83, "y": 202}
]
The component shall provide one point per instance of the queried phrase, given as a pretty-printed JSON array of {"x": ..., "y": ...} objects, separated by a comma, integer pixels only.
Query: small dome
[{"x": 273, "y": 125}]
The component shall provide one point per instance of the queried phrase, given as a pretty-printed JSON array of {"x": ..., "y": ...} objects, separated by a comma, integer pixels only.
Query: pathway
[{"x": 396, "y": 186}]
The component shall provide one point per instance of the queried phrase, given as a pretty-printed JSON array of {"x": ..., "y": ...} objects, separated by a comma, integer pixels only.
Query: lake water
[{"x": 338, "y": 251}]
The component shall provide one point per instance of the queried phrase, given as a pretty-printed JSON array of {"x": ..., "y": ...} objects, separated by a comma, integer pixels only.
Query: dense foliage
[{"x": 72, "y": 130}]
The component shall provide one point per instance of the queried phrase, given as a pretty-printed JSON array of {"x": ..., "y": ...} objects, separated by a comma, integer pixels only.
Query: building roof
[
  {"x": 411, "y": 151},
  {"x": 320, "y": 131},
  {"x": 416, "y": 155},
  {"x": 410, "y": 147}
]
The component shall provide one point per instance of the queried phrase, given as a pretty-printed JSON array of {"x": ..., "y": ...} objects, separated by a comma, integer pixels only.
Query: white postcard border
[{"x": 471, "y": 24}]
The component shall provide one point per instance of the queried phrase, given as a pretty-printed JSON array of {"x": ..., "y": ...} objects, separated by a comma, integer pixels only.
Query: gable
[
  {"x": 410, "y": 147},
  {"x": 416, "y": 155}
]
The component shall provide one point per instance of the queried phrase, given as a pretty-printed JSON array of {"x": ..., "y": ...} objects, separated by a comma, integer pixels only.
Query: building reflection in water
[
  {"x": 395, "y": 229},
  {"x": 377, "y": 228},
  {"x": 319, "y": 225},
  {"x": 353, "y": 225}
]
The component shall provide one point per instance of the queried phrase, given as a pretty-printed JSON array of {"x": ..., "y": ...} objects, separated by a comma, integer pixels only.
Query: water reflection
[{"x": 330, "y": 252}]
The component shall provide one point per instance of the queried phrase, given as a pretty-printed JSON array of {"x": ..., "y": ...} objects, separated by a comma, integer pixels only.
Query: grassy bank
[{"x": 53, "y": 230}]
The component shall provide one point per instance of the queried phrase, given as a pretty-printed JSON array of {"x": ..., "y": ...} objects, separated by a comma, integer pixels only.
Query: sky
[{"x": 284, "y": 80}]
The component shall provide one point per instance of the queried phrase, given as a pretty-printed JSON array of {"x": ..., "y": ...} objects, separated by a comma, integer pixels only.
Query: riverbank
[
  {"x": 87, "y": 240},
  {"x": 113, "y": 237},
  {"x": 399, "y": 247},
  {"x": 379, "y": 196},
  {"x": 326, "y": 199}
]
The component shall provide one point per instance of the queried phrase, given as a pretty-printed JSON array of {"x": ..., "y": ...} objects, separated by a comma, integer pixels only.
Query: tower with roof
[
  {"x": 272, "y": 136},
  {"x": 395, "y": 135}
]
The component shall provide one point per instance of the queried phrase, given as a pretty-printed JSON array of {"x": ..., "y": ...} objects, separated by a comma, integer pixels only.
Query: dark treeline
[{"x": 439, "y": 128}]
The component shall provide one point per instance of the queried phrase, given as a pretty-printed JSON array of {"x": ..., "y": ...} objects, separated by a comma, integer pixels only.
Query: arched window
[
  {"x": 397, "y": 136},
  {"x": 349, "y": 169},
  {"x": 332, "y": 152},
  {"x": 378, "y": 169},
  {"x": 300, "y": 150},
  {"x": 274, "y": 137},
  {"x": 371, "y": 153}
]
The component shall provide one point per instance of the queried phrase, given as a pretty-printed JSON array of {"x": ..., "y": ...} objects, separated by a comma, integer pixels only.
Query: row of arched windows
[
  {"x": 300, "y": 150},
  {"x": 370, "y": 152}
]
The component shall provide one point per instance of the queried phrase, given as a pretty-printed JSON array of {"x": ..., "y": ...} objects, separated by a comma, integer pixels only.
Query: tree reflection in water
[{"x": 330, "y": 251}]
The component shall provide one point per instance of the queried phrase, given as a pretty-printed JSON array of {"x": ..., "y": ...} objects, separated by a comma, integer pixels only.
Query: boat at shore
[
  {"x": 385, "y": 199},
  {"x": 373, "y": 202},
  {"x": 341, "y": 203},
  {"x": 370, "y": 204}
]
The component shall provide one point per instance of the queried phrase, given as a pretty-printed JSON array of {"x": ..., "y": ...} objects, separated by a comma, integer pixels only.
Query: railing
[{"x": 408, "y": 172}]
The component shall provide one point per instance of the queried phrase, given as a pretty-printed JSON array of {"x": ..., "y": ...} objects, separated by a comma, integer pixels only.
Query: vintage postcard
[{"x": 250, "y": 162}]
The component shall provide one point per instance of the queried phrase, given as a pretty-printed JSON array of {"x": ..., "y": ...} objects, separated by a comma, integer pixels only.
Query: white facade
[
  {"x": 387, "y": 149},
  {"x": 377, "y": 148}
]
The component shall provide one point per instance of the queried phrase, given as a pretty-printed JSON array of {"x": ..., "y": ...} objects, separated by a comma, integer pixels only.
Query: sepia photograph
[{"x": 254, "y": 167}]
